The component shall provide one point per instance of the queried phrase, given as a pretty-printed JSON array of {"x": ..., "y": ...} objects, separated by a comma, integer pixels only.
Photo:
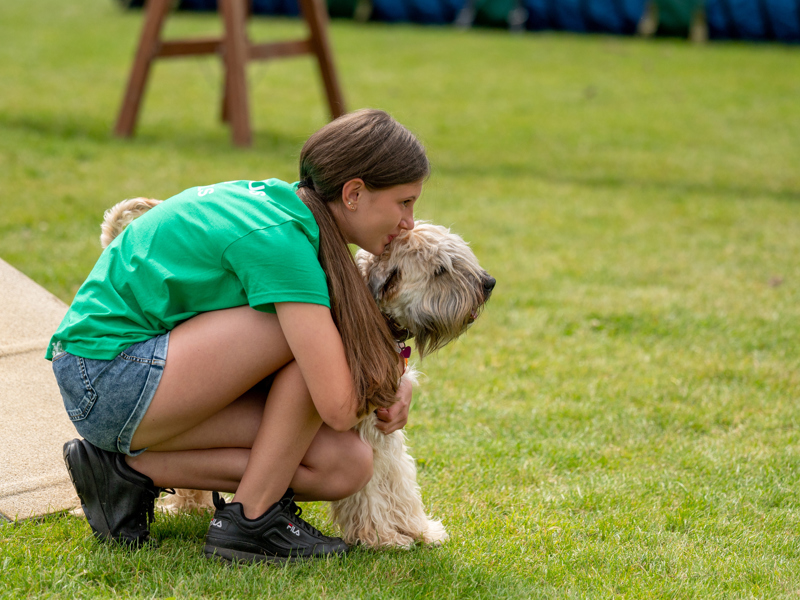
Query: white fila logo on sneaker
[
  {"x": 216, "y": 523},
  {"x": 293, "y": 529}
]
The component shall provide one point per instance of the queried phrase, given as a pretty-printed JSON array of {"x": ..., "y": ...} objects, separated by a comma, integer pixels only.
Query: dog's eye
[
  {"x": 441, "y": 270},
  {"x": 390, "y": 282}
]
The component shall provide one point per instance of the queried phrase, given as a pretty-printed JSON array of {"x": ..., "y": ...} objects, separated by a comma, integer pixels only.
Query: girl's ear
[{"x": 350, "y": 193}]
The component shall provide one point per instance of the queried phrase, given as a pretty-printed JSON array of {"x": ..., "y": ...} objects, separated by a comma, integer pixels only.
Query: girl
[{"x": 226, "y": 341}]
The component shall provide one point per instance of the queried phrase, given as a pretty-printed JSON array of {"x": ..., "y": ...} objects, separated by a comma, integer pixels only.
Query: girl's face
[{"x": 372, "y": 219}]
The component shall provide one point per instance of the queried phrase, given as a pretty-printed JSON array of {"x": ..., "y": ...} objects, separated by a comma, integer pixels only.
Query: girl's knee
[
  {"x": 365, "y": 458},
  {"x": 339, "y": 464},
  {"x": 356, "y": 463}
]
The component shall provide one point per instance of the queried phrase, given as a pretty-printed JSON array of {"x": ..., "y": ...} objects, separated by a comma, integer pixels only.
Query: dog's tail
[{"x": 119, "y": 216}]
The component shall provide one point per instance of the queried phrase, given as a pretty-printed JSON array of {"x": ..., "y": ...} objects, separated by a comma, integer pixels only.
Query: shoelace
[
  {"x": 149, "y": 507},
  {"x": 297, "y": 511},
  {"x": 146, "y": 514}
]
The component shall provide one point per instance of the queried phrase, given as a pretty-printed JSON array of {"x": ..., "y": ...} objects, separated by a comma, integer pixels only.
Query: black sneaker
[
  {"x": 277, "y": 536},
  {"x": 117, "y": 500}
]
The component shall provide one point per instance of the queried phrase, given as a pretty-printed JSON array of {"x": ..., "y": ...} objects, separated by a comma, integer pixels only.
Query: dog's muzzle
[{"x": 488, "y": 285}]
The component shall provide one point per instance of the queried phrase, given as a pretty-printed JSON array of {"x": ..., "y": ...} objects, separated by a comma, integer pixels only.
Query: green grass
[{"x": 623, "y": 420}]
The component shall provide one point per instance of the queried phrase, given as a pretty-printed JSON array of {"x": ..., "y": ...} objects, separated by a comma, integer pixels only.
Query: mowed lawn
[{"x": 624, "y": 418}]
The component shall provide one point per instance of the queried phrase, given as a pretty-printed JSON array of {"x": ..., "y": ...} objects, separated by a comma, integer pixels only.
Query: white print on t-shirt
[
  {"x": 256, "y": 189},
  {"x": 204, "y": 191}
]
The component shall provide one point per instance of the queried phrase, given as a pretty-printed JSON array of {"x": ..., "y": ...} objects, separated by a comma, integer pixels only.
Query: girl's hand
[{"x": 396, "y": 416}]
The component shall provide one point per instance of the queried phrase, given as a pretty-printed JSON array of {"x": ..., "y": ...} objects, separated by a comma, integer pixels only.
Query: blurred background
[
  {"x": 624, "y": 418},
  {"x": 717, "y": 19}
]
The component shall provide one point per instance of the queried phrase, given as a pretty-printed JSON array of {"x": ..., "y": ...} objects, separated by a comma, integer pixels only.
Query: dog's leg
[
  {"x": 368, "y": 516},
  {"x": 389, "y": 510},
  {"x": 185, "y": 501}
]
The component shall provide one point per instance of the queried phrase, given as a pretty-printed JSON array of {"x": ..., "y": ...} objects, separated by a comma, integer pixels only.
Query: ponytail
[
  {"x": 369, "y": 347},
  {"x": 369, "y": 145}
]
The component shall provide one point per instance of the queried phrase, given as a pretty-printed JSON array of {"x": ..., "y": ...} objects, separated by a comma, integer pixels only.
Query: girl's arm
[{"x": 317, "y": 347}]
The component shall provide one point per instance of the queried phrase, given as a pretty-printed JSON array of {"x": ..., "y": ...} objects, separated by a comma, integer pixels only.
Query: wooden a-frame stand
[{"x": 236, "y": 50}]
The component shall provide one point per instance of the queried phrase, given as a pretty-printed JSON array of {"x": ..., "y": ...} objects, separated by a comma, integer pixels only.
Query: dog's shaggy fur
[{"x": 430, "y": 287}]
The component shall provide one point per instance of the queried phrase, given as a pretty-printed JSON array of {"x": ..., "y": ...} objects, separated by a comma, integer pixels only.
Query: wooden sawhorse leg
[
  {"x": 236, "y": 51},
  {"x": 316, "y": 15},
  {"x": 236, "y": 108},
  {"x": 155, "y": 14}
]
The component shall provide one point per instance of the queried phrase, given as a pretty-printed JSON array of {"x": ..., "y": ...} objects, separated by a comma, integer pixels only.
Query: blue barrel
[
  {"x": 754, "y": 19},
  {"x": 568, "y": 15},
  {"x": 276, "y": 7},
  {"x": 614, "y": 16},
  {"x": 392, "y": 11},
  {"x": 198, "y": 5},
  {"x": 784, "y": 17},
  {"x": 434, "y": 12},
  {"x": 604, "y": 16}
]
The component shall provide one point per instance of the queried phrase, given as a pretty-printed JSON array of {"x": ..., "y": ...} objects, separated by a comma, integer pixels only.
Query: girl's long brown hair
[{"x": 370, "y": 145}]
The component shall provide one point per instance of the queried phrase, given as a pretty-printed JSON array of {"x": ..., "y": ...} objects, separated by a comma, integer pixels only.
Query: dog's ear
[
  {"x": 382, "y": 287},
  {"x": 441, "y": 264}
]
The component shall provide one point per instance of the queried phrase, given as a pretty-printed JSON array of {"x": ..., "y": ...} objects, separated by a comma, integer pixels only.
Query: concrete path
[{"x": 33, "y": 424}]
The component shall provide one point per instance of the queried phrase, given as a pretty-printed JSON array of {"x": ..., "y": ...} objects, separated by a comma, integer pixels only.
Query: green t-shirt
[{"x": 208, "y": 248}]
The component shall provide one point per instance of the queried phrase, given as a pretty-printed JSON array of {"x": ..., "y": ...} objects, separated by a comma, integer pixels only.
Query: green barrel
[
  {"x": 342, "y": 8},
  {"x": 675, "y": 16}
]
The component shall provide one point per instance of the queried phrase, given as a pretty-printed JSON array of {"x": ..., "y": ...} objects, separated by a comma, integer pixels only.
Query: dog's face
[{"x": 429, "y": 283}]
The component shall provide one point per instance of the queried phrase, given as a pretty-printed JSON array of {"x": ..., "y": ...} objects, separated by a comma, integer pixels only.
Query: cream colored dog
[{"x": 430, "y": 287}]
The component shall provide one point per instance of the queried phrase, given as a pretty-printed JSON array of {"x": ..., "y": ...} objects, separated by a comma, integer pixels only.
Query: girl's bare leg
[
  {"x": 336, "y": 466},
  {"x": 214, "y": 359}
]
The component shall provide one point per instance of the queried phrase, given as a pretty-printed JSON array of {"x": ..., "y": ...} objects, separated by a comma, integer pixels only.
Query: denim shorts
[{"x": 106, "y": 399}]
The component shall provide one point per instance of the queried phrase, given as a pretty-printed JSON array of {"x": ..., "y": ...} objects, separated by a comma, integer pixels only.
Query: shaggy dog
[{"x": 430, "y": 287}]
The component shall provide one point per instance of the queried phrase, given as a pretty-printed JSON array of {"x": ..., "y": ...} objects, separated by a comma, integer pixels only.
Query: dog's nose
[{"x": 488, "y": 283}]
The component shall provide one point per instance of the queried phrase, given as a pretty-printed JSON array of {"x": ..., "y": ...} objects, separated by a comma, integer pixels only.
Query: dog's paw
[
  {"x": 374, "y": 539},
  {"x": 435, "y": 533},
  {"x": 396, "y": 540}
]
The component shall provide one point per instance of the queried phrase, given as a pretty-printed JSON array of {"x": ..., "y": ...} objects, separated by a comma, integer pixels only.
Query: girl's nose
[{"x": 408, "y": 222}]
